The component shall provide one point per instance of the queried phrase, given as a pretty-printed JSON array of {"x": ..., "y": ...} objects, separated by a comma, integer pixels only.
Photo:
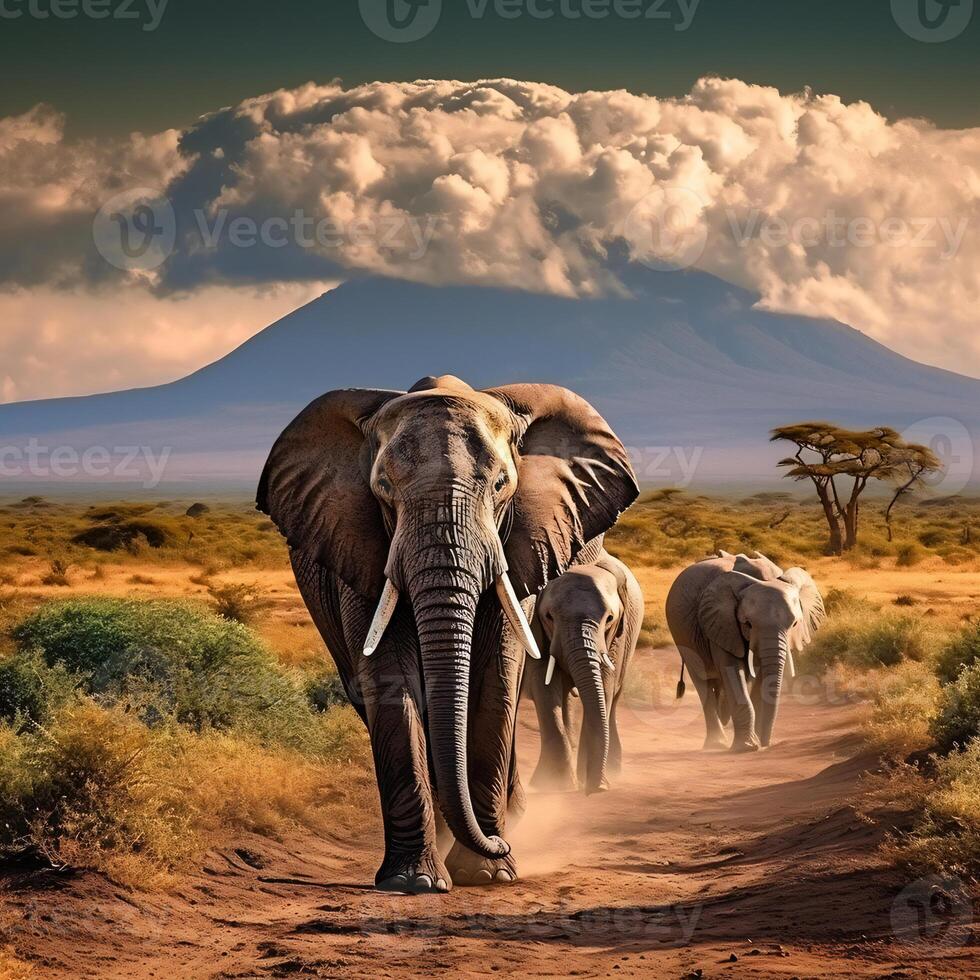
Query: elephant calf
[
  {"x": 725, "y": 614},
  {"x": 588, "y": 620}
]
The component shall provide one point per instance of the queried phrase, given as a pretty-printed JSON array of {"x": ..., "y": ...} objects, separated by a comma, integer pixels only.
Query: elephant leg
[
  {"x": 732, "y": 671},
  {"x": 389, "y": 690},
  {"x": 714, "y": 737},
  {"x": 554, "y": 769},
  {"x": 496, "y": 673}
]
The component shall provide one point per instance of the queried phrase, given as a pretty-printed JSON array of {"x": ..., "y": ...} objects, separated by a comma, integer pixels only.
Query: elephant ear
[
  {"x": 315, "y": 488},
  {"x": 718, "y": 612},
  {"x": 812, "y": 602},
  {"x": 574, "y": 480},
  {"x": 758, "y": 567}
]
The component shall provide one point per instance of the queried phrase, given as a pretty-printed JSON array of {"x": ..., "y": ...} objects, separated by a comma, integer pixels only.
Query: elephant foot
[
  {"x": 413, "y": 873},
  {"x": 715, "y": 743},
  {"x": 468, "y": 868},
  {"x": 601, "y": 787},
  {"x": 557, "y": 780},
  {"x": 746, "y": 745}
]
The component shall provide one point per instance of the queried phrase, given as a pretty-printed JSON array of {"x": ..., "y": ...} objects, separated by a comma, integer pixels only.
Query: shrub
[
  {"x": 30, "y": 690},
  {"x": 96, "y": 789},
  {"x": 961, "y": 651},
  {"x": 197, "y": 510},
  {"x": 957, "y": 719},
  {"x": 238, "y": 601},
  {"x": 908, "y": 554},
  {"x": 171, "y": 659},
  {"x": 903, "y": 701},
  {"x": 325, "y": 690},
  {"x": 946, "y": 838},
  {"x": 58, "y": 574},
  {"x": 116, "y": 536},
  {"x": 865, "y": 638}
]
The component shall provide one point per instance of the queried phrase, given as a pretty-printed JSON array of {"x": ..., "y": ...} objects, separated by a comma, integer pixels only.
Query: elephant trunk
[
  {"x": 584, "y": 665},
  {"x": 773, "y": 652},
  {"x": 444, "y": 580}
]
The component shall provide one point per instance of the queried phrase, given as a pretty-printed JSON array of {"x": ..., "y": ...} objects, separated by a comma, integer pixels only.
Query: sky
[{"x": 825, "y": 155}]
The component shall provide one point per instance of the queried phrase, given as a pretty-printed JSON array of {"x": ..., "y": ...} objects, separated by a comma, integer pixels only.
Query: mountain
[{"x": 686, "y": 362}]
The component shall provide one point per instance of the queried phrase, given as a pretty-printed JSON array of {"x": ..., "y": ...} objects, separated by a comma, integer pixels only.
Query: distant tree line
[{"x": 842, "y": 462}]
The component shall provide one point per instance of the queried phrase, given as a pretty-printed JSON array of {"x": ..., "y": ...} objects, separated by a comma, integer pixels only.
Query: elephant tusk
[
  {"x": 550, "y": 671},
  {"x": 790, "y": 665},
  {"x": 382, "y": 617},
  {"x": 750, "y": 663},
  {"x": 607, "y": 661},
  {"x": 515, "y": 616}
]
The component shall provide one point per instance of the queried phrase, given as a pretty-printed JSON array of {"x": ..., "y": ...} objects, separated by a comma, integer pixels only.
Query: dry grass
[
  {"x": 96, "y": 789},
  {"x": 12, "y": 967}
]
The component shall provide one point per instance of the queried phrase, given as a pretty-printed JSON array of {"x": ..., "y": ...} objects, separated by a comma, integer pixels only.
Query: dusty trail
[{"x": 692, "y": 858}]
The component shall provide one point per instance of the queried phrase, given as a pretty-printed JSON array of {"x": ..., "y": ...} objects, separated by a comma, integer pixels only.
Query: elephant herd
[{"x": 442, "y": 535}]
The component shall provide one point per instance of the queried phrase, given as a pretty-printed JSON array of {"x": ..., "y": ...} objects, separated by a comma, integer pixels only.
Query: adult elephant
[
  {"x": 736, "y": 622},
  {"x": 417, "y": 521}
]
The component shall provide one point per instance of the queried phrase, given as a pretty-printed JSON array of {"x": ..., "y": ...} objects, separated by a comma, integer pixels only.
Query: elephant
[
  {"x": 725, "y": 612},
  {"x": 417, "y": 523},
  {"x": 588, "y": 620}
]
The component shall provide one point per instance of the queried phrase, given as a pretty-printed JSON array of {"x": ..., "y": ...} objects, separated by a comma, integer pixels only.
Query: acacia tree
[
  {"x": 829, "y": 455},
  {"x": 913, "y": 464}
]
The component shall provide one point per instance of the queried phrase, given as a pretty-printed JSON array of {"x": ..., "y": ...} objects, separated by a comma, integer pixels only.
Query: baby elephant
[
  {"x": 588, "y": 620},
  {"x": 736, "y": 622}
]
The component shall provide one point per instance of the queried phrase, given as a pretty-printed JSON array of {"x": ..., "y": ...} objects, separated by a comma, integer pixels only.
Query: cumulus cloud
[{"x": 821, "y": 207}]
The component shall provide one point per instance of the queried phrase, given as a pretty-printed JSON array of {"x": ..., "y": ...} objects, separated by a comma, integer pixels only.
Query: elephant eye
[
  {"x": 384, "y": 485},
  {"x": 500, "y": 482}
]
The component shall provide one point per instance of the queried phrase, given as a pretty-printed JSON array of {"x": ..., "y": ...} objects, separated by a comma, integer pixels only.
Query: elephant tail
[{"x": 681, "y": 686}]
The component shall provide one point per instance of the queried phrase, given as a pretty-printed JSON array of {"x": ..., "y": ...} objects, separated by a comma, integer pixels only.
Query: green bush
[
  {"x": 957, "y": 718},
  {"x": 169, "y": 659},
  {"x": 865, "y": 638},
  {"x": 30, "y": 690},
  {"x": 963, "y": 650}
]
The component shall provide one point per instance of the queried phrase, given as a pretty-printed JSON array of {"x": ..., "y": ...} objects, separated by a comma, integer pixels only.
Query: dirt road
[{"x": 694, "y": 865}]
